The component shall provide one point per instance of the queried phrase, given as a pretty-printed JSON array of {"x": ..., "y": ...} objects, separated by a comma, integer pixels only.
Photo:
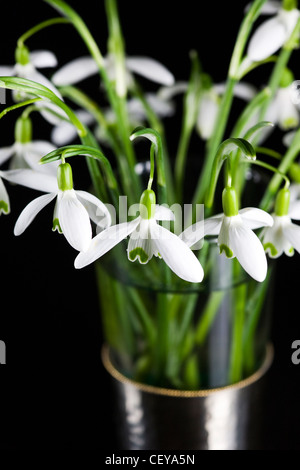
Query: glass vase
[{"x": 164, "y": 332}]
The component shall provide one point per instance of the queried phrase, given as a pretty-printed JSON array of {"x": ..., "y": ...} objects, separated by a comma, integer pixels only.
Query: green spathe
[
  {"x": 64, "y": 177},
  {"x": 147, "y": 204}
]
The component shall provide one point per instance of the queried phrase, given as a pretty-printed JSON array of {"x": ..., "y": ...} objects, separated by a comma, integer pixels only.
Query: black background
[{"x": 54, "y": 392}]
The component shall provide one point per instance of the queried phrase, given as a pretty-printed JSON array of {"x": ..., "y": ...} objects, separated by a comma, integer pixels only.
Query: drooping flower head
[
  {"x": 147, "y": 238},
  {"x": 271, "y": 35},
  {"x": 73, "y": 209},
  {"x": 235, "y": 234},
  {"x": 284, "y": 235}
]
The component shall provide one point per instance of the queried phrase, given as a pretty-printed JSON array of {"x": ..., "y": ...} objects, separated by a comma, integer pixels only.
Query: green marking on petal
[
  {"x": 139, "y": 253},
  {"x": 4, "y": 207},
  {"x": 272, "y": 250},
  {"x": 289, "y": 123},
  {"x": 56, "y": 226},
  {"x": 228, "y": 252},
  {"x": 291, "y": 251}
]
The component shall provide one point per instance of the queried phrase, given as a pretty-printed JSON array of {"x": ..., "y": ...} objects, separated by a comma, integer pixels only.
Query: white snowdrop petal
[
  {"x": 105, "y": 241},
  {"x": 255, "y": 218},
  {"x": 176, "y": 254},
  {"x": 34, "y": 151},
  {"x": 6, "y": 70},
  {"x": 96, "y": 209},
  {"x": 249, "y": 251},
  {"x": 242, "y": 90},
  {"x": 163, "y": 213},
  {"x": 43, "y": 58},
  {"x": 151, "y": 69},
  {"x": 207, "y": 114},
  {"x": 32, "y": 179},
  {"x": 75, "y": 71},
  {"x": 267, "y": 39},
  {"x": 6, "y": 153},
  {"x": 74, "y": 221},
  {"x": 294, "y": 211},
  {"x": 292, "y": 234},
  {"x": 31, "y": 211}
]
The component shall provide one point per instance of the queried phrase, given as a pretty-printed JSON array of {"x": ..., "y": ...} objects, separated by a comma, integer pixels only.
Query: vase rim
[{"x": 105, "y": 355}]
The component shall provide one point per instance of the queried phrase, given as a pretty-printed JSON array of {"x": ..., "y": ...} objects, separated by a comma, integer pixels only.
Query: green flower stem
[
  {"x": 222, "y": 154},
  {"x": 208, "y": 315},
  {"x": 163, "y": 337},
  {"x": 214, "y": 142},
  {"x": 118, "y": 105},
  {"x": 190, "y": 112},
  {"x": 236, "y": 354},
  {"x": 116, "y": 46},
  {"x": 157, "y": 125},
  {"x": 83, "y": 100},
  {"x": 95, "y": 172},
  {"x": 225, "y": 106},
  {"x": 40, "y": 27},
  {"x": 95, "y": 153},
  {"x": 253, "y": 309},
  {"x": 18, "y": 105},
  {"x": 183, "y": 146},
  {"x": 34, "y": 88},
  {"x": 283, "y": 168},
  {"x": 145, "y": 318}
]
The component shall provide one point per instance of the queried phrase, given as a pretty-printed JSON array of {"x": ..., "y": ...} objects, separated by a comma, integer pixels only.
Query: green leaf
[
  {"x": 33, "y": 88},
  {"x": 73, "y": 150}
]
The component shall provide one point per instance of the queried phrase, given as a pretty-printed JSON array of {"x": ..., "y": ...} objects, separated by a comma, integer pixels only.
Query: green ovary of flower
[
  {"x": 147, "y": 204},
  {"x": 23, "y": 130},
  {"x": 64, "y": 177},
  {"x": 22, "y": 55}
]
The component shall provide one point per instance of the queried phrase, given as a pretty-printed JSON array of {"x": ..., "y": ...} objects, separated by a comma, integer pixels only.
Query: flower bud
[{"x": 23, "y": 130}]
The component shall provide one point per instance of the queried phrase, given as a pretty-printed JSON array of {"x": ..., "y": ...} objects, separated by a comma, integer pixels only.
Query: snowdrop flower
[
  {"x": 209, "y": 103},
  {"x": 73, "y": 209},
  {"x": 26, "y": 153},
  {"x": 282, "y": 110},
  {"x": 235, "y": 234},
  {"x": 147, "y": 238},
  {"x": 26, "y": 67},
  {"x": 84, "y": 67},
  {"x": 284, "y": 235},
  {"x": 271, "y": 35}
]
